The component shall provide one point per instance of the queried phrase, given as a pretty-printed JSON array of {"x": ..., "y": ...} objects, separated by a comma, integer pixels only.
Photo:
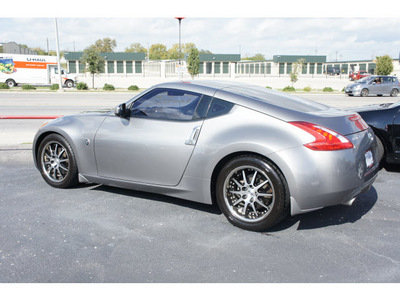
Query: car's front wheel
[
  {"x": 252, "y": 193},
  {"x": 57, "y": 162},
  {"x": 69, "y": 83},
  {"x": 364, "y": 93}
]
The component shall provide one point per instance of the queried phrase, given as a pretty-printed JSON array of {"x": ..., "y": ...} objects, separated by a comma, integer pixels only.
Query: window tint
[
  {"x": 201, "y": 110},
  {"x": 219, "y": 107},
  {"x": 388, "y": 79},
  {"x": 169, "y": 104}
]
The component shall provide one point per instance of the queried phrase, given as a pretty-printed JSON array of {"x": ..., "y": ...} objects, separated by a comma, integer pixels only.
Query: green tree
[
  {"x": 158, "y": 51},
  {"x": 193, "y": 62},
  {"x": 93, "y": 61},
  {"x": 187, "y": 47},
  {"x": 202, "y": 51},
  {"x": 173, "y": 52},
  {"x": 384, "y": 65},
  {"x": 105, "y": 45},
  {"x": 40, "y": 51},
  {"x": 297, "y": 66},
  {"x": 136, "y": 48},
  {"x": 256, "y": 57}
]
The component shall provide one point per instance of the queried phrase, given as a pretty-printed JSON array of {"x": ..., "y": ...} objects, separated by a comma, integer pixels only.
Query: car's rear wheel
[
  {"x": 394, "y": 93},
  {"x": 57, "y": 162},
  {"x": 364, "y": 93},
  {"x": 252, "y": 193}
]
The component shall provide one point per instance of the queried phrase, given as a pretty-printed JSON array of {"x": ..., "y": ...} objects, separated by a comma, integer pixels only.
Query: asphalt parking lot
[{"x": 95, "y": 233}]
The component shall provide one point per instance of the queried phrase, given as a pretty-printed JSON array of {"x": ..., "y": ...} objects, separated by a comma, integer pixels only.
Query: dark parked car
[
  {"x": 333, "y": 71},
  {"x": 384, "y": 119}
]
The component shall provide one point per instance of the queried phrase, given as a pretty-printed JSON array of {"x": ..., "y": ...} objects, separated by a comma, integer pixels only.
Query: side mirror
[{"x": 121, "y": 111}]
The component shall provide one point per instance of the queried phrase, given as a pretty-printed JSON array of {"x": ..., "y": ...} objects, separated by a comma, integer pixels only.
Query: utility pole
[{"x": 58, "y": 57}]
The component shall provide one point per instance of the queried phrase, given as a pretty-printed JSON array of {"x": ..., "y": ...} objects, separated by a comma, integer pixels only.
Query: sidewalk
[{"x": 317, "y": 82}]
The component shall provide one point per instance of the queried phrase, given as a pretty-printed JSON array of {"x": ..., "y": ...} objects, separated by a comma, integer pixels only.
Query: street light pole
[
  {"x": 180, "y": 49},
  {"x": 60, "y": 88}
]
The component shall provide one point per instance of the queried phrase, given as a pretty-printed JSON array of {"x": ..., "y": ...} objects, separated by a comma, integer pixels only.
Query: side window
[
  {"x": 167, "y": 104},
  {"x": 219, "y": 107}
]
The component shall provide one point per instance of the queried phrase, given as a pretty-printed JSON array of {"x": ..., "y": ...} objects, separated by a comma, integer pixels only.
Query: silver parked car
[
  {"x": 259, "y": 154},
  {"x": 374, "y": 85}
]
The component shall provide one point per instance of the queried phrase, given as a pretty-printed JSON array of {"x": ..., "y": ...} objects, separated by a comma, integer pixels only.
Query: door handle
[{"x": 193, "y": 136}]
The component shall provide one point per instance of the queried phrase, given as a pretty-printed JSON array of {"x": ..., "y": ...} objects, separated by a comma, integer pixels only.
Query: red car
[{"x": 358, "y": 75}]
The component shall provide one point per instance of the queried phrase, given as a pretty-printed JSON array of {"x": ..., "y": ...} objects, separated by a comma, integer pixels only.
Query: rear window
[
  {"x": 389, "y": 79},
  {"x": 278, "y": 99}
]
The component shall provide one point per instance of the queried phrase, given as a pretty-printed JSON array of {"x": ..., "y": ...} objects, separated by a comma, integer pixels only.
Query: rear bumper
[{"x": 319, "y": 179}]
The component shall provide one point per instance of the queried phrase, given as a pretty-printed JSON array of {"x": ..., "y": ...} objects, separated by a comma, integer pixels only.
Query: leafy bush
[
  {"x": 268, "y": 87},
  {"x": 133, "y": 88},
  {"x": 327, "y": 89},
  {"x": 55, "y": 87},
  {"x": 108, "y": 87},
  {"x": 289, "y": 89},
  {"x": 81, "y": 86},
  {"x": 307, "y": 89},
  {"x": 4, "y": 86},
  {"x": 28, "y": 87}
]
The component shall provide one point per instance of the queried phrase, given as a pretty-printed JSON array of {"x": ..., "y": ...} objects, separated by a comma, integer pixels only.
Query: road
[
  {"x": 95, "y": 233},
  {"x": 17, "y": 132}
]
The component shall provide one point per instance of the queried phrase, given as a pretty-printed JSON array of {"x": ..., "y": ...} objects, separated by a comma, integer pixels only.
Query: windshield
[{"x": 364, "y": 80}]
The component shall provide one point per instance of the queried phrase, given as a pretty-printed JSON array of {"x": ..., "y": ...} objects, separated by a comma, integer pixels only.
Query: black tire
[
  {"x": 243, "y": 198},
  {"x": 57, "y": 162},
  {"x": 394, "y": 93},
  {"x": 69, "y": 83},
  {"x": 11, "y": 83},
  {"x": 364, "y": 93}
]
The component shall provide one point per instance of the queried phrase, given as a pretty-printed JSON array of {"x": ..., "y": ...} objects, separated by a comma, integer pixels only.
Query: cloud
[{"x": 358, "y": 38}]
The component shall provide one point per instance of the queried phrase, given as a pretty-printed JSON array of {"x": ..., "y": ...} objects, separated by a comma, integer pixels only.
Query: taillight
[
  {"x": 325, "y": 138},
  {"x": 360, "y": 123}
]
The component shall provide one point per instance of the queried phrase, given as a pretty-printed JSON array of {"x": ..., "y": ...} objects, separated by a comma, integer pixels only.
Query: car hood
[{"x": 353, "y": 85}]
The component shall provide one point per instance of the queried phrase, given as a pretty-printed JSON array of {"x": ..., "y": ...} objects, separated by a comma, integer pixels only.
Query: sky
[{"x": 271, "y": 30}]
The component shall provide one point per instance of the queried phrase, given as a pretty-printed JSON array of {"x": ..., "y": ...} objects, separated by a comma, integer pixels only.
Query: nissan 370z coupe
[{"x": 259, "y": 154}]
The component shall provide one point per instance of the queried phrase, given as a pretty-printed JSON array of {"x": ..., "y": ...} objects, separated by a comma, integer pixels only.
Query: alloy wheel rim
[
  {"x": 55, "y": 161},
  {"x": 249, "y": 194}
]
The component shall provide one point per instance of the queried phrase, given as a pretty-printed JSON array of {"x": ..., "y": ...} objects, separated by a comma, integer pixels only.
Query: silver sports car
[{"x": 259, "y": 154}]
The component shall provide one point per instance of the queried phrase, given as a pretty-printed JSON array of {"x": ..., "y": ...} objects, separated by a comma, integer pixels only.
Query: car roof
[{"x": 281, "y": 105}]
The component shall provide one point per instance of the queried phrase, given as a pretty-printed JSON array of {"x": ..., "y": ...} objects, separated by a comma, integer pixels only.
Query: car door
[
  {"x": 374, "y": 87},
  {"x": 154, "y": 144},
  {"x": 387, "y": 85}
]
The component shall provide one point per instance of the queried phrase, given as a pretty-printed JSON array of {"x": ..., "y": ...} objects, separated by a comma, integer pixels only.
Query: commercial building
[
  {"x": 123, "y": 69},
  {"x": 118, "y": 63},
  {"x": 14, "y": 48}
]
